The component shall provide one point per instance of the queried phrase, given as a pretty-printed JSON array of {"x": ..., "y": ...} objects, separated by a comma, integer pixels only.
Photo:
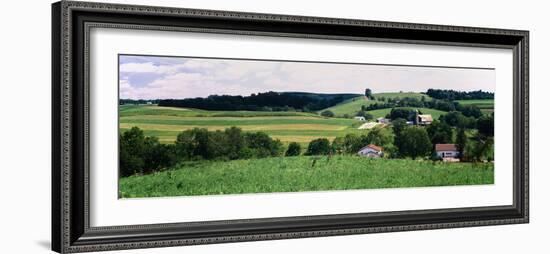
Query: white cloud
[{"x": 203, "y": 77}]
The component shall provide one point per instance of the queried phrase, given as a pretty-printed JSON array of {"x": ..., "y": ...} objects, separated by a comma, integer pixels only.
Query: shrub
[
  {"x": 142, "y": 155},
  {"x": 320, "y": 146},
  {"x": 327, "y": 113},
  {"x": 294, "y": 149}
]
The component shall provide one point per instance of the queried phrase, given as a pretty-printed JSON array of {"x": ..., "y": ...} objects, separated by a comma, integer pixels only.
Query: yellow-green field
[{"x": 165, "y": 123}]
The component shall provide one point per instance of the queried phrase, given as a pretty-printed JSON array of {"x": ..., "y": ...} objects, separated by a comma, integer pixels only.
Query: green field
[
  {"x": 487, "y": 106},
  {"x": 350, "y": 107},
  {"x": 383, "y": 112},
  {"x": 166, "y": 123},
  {"x": 295, "y": 174}
]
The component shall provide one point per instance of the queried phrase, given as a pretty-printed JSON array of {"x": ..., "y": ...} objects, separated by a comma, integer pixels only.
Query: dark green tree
[
  {"x": 368, "y": 93},
  {"x": 327, "y": 113},
  {"x": 398, "y": 125},
  {"x": 351, "y": 144},
  {"x": 260, "y": 145},
  {"x": 131, "y": 147},
  {"x": 414, "y": 142},
  {"x": 405, "y": 113},
  {"x": 440, "y": 132},
  {"x": 338, "y": 145},
  {"x": 294, "y": 149},
  {"x": 235, "y": 142},
  {"x": 320, "y": 146},
  {"x": 486, "y": 125},
  {"x": 378, "y": 136},
  {"x": 158, "y": 156},
  {"x": 479, "y": 148},
  {"x": 470, "y": 110},
  {"x": 185, "y": 144},
  {"x": 461, "y": 141}
]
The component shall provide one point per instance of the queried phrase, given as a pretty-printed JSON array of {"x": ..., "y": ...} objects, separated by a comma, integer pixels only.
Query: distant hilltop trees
[
  {"x": 368, "y": 94},
  {"x": 136, "y": 102},
  {"x": 459, "y": 95},
  {"x": 269, "y": 101}
]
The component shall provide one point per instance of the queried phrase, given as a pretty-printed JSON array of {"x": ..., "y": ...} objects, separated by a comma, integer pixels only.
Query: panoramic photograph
[{"x": 212, "y": 126}]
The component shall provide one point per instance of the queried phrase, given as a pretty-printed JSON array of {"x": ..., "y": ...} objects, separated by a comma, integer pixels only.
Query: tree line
[
  {"x": 459, "y": 95},
  {"x": 140, "y": 154},
  {"x": 443, "y": 105},
  {"x": 136, "y": 102},
  {"x": 269, "y": 101}
]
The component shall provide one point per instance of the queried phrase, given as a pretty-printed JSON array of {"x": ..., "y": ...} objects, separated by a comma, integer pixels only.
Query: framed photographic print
[{"x": 181, "y": 126}]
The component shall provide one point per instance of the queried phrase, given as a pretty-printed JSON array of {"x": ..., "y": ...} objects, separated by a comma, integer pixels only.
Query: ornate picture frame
[{"x": 71, "y": 24}]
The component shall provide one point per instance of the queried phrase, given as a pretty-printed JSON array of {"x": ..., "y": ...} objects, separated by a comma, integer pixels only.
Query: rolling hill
[
  {"x": 350, "y": 106},
  {"x": 353, "y": 105}
]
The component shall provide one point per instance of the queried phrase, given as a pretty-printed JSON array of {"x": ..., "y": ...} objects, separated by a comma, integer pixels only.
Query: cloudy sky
[{"x": 145, "y": 77}]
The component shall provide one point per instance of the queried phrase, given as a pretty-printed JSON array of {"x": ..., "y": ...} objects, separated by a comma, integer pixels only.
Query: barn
[{"x": 424, "y": 119}]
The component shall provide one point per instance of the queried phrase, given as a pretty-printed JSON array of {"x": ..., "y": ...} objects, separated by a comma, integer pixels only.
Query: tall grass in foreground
[{"x": 301, "y": 173}]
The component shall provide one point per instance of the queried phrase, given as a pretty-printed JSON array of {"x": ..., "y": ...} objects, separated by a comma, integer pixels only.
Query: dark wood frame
[{"x": 71, "y": 22}]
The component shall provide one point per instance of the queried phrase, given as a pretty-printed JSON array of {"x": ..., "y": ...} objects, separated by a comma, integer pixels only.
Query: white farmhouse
[
  {"x": 447, "y": 152},
  {"x": 360, "y": 118},
  {"x": 371, "y": 150}
]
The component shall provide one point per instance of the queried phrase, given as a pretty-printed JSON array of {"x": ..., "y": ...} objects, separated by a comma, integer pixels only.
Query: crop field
[
  {"x": 301, "y": 173},
  {"x": 487, "y": 106},
  {"x": 165, "y": 123},
  {"x": 383, "y": 112}
]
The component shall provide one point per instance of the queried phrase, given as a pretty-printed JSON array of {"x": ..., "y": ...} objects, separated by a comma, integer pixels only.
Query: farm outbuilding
[{"x": 424, "y": 119}]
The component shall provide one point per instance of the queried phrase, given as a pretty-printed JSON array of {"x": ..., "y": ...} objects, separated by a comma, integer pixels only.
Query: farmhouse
[
  {"x": 360, "y": 118},
  {"x": 371, "y": 150},
  {"x": 424, "y": 119},
  {"x": 448, "y": 152}
]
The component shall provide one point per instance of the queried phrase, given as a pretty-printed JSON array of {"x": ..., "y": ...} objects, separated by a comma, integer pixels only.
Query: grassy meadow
[
  {"x": 350, "y": 107},
  {"x": 301, "y": 173}
]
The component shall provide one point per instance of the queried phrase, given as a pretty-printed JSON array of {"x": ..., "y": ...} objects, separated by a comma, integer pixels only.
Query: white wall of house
[
  {"x": 369, "y": 152},
  {"x": 452, "y": 154}
]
